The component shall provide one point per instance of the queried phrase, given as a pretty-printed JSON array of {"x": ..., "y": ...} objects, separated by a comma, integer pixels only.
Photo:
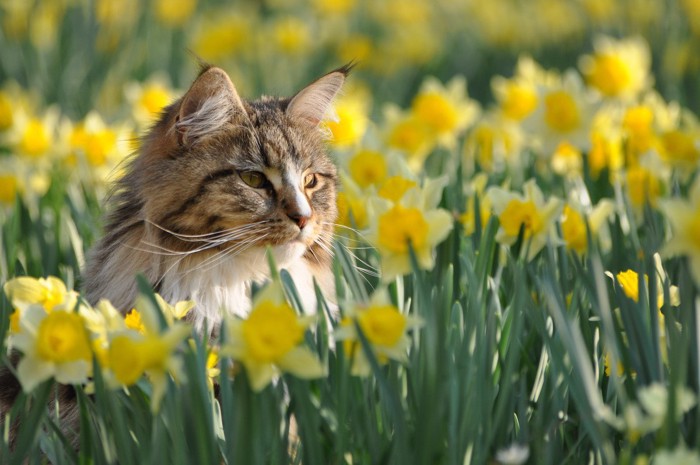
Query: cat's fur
[
  {"x": 186, "y": 216},
  {"x": 172, "y": 208}
]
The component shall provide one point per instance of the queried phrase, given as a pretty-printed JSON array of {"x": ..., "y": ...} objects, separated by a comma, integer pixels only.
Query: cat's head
[{"x": 221, "y": 173}]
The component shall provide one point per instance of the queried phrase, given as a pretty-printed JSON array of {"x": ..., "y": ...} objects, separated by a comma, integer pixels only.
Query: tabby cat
[{"x": 218, "y": 181}]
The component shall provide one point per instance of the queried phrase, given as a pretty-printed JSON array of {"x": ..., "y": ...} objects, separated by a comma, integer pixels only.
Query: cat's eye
[
  {"x": 310, "y": 181},
  {"x": 254, "y": 179}
]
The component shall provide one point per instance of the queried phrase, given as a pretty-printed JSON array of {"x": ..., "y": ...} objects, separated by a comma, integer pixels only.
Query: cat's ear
[
  {"x": 211, "y": 102},
  {"x": 313, "y": 101}
]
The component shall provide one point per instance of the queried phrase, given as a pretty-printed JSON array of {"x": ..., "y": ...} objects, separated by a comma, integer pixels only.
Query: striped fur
[{"x": 185, "y": 217}]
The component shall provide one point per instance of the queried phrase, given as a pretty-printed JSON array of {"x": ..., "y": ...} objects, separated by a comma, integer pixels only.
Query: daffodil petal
[
  {"x": 302, "y": 363},
  {"x": 32, "y": 371}
]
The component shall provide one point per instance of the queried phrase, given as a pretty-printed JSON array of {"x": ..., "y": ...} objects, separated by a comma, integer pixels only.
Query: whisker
[{"x": 206, "y": 236}]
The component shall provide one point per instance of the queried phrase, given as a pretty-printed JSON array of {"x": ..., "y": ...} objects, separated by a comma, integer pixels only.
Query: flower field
[{"x": 516, "y": 256}]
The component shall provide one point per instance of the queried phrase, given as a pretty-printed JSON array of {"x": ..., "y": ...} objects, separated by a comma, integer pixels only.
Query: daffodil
[
  {"x": 406, "y": 133},
  {"x": 413, "y": 221},
  {"x": 174, "y": 13},
  {"x": 271, "y": 340},
  {"x": 34, "y": 136},
  {"x": 347, "y": 123},
  {"x": 149, "y": 99},
  {"x": 518, "y": 96},
  {"x": 564, "y": 112},
  {"x": 132, "y": 354},
  {"x": 385, "y": 328},
  {"x": 446, "y": 110},
  {"x": 618, "y": 68},
  {"x": 50, "y": 293},
  {"x": 495, "y": 143},
  {"x": 573, "y": 224},
  {"x": 53, "y": 344},
  {"x": 684, "y": 216},
  {"x": 368, "y": 167},
  {"x": 222, "y": 34},
  {"x": 643, "y": 186},
  {"x": 529, "y": 212}
]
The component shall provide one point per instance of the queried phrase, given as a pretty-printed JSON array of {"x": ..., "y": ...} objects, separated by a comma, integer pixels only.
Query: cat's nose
[{"x": 299, "y": 218}]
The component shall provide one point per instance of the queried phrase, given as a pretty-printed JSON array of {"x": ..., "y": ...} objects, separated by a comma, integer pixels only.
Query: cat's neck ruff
[{"x": 222, "y": 285}]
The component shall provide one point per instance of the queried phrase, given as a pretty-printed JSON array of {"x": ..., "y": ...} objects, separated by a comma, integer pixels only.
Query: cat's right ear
[{"x": 211, "y": 102}]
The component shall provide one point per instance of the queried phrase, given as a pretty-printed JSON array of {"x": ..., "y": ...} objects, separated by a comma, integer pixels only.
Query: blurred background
[{"x": 81, "y": 54}]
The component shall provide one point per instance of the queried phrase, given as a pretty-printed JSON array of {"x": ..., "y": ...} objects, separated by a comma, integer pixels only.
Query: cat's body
[{"x": 217, "y": 182}]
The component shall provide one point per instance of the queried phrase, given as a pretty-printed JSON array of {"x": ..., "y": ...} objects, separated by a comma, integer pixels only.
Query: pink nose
[{"x": 299, "y": 219}]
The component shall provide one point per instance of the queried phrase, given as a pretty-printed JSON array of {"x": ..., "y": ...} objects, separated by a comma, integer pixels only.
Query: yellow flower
[
  {"x": 529, "y": 212},
  {"x": 334, "y": 7},
  {"x": 629, "y": 283},
  {"x": 34, "y": 135},
  {"x": 684, "y": 217},
  {"x": 405, "y": 132},
  {"x": 351, "y": 211},
  {"x": 50, "y": 293},
  {"x": 564, "y": 112},
  {"x": 567, "y": 159},
  {"x": 348, "y": 124},
  {"x": 223, "y": 35},
  {"x": 174, "y": 13},
  {"x": 98, "y": 145},
  {"x": 606, "y": 152},
  {"x": 642, "y": 187},
  {"x": 517, "y": 97},
  {"x": 573, "y": 226},
  {"x": 6, "y": 111},
  {"x": 680, "y": 147},
  {"x": 132, "y": 320},
  {"x": 271, "y": 340},
  {"x": 368, "y": 167},
  {"x": 415, "y": 220},
  {"x": 54, "y": 344},
  {"x": 445, "y": 110},
  {"x": 10, "y": 188},
  {"x": 618, "y": 68},
  {"x": 395, "y": 187},
  {"x": 385, "y": 328},
  {"x": 148, "y": 99},
  {"x": 494, "y": 143},
  {"x": 291, "y": 35},
  {"x": 131, "y": 355}
]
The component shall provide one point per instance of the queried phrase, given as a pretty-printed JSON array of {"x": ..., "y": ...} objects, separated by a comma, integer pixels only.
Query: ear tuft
[
  {"x": 313, "y": 101},
  {"x": 208, "y": 104}
]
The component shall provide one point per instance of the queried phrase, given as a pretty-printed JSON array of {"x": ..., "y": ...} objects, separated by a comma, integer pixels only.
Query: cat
[{"x": 217, "y": 182}]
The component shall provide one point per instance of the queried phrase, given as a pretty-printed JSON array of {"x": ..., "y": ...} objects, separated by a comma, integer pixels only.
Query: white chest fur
[{"x": 224, "y": 286}]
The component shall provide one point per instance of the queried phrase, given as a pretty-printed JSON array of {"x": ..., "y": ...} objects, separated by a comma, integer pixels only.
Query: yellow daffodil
[
  {"x": 394, "y": 187},
  {"x": 494, "y": 143},
  {"x": 385, "y": 328},
  {"x": 573, "y": 226},
  {"x": 564, "y": 112},
  {"x": 131, "y": 355},
  {"x": 271, "y": 340},
  {"x": 413, "y": 220},
  {"x": 629, "y": 283},
  {"x": 684, "y": 216},
  {"x": 406, "y": 133},
  {"x": 643, "y": 186},
  {"x": 149, "y": 98},
  {"x": 53, "y": 344},
  {"x": 529, "y": 212},
  {"x": 34, "y": 136},
  {"x": 368, "y": 167},
  {"x": 223, "y": 34},
  {"x": 352, "y": 208},
  {"x": 446, "y": 110},
  {"x": 618, "y": 68},
  {"x": 50, "y": 292},
  {"x": 517, "y": 97},
  {"x": 174, "y": 13}
]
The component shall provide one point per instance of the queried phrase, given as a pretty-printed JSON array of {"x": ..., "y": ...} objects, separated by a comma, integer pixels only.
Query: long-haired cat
[{"x": 217, "y": 182}]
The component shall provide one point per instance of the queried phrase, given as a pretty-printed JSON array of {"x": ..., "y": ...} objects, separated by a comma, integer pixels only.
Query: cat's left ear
[{"x": 313, "y": 101}]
